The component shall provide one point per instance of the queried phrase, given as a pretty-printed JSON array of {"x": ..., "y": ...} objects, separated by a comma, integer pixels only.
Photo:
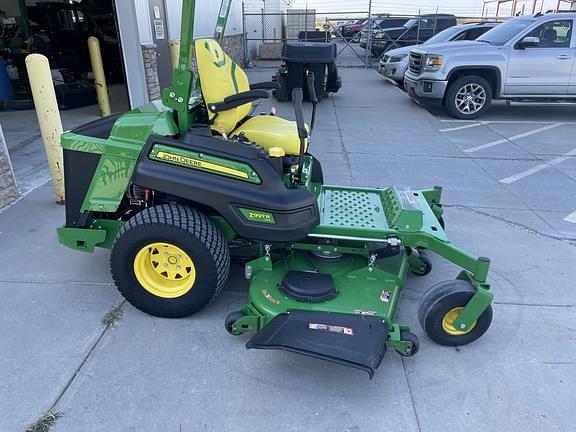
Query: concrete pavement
[{"x": 145, "y": 373}]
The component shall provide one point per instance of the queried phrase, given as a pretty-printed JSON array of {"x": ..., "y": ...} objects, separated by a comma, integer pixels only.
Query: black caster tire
[
  {"x": 439, "y": 307},
  {"x": 426, "y": 265},
  {"x": 170, "y": 261},
  {"x": 442, "y": 222},
  {"x": 230, "y": 319},
  {"x": 410, "y": 337}
]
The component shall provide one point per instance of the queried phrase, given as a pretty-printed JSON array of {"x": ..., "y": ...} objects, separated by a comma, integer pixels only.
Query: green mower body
[{"x": 326, "y": 265}]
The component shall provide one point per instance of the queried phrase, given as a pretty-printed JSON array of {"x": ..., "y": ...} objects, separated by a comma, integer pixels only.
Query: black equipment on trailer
[{"x": 300, "y": 59}]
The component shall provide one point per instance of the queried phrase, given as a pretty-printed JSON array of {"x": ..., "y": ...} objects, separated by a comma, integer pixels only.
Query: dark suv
[
  {"x": 413, "y": 32},
  {"x": 379, "y": 24}
]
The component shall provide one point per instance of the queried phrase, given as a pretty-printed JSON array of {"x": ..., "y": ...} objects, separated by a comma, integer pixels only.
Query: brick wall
[
  {"x": 151, "y": 72},
  {"x": 8, "y": 190},
  {"x": 232, "y": 45}
]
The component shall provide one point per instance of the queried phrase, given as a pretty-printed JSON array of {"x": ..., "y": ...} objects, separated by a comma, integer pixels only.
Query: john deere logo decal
[
  {"x": 195, "y": 163},
  {"x": 258, "y": 216},
  {"x": 204, "y": 162}
]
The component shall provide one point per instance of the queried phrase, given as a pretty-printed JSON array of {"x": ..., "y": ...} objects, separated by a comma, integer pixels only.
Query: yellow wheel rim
[
  {"x": 448, "y": 323},
  {"x": 164, "y": 270}
]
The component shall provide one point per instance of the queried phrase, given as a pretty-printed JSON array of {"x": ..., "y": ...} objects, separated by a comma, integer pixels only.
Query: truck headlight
[
  {"x": 433, "y": 61},
  {"x": 379, "y": 35}
]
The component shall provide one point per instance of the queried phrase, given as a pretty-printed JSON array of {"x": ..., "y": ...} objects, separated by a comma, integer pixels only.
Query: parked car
[
  {"x": 413, "y": 32},
  {"x": 349, "y": 30},
  {"x": 529, "y": 57},
  {"x": 379, "y": 24},
  {"x": 394, "y": 64}
]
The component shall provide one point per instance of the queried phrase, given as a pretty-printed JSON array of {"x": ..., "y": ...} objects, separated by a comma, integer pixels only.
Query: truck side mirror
[{"x": 528, "y": 42}]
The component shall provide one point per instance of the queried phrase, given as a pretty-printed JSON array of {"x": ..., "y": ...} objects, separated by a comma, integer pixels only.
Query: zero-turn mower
[{"x": 178, "y": 188}]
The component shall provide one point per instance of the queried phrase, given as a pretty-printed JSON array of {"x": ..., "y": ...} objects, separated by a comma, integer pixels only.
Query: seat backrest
[{"x": 220, "y": 77}]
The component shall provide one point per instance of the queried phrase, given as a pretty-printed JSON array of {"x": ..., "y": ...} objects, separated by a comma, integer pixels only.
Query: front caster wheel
[
  {"x": 407, "y": 336},
  {"x": 442, "y": 222},
  {"x": 230, "y": 319},
  {"x": 440, "y": 307},
  {"x": 424, "y": 267}
]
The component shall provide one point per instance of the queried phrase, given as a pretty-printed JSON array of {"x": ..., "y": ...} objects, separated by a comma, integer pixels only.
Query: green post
[
  {"x": 178, "y": 95},
  {"x": 24, "y": 15},
  {"x": 222, "y": 20}
]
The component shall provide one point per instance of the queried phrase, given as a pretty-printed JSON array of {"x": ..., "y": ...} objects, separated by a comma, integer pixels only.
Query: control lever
[
  {"x": 313, "y": 97},
  {"x": 297, "y": 97}
]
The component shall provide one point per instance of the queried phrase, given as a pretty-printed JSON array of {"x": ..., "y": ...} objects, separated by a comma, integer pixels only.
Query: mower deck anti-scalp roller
[{"x": 179, "y": 188}]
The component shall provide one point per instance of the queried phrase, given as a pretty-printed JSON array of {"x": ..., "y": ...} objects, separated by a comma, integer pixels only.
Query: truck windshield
[
  {"x": 410, "y": 23},
  {"x": 443, "y": 36},
  {"x": 502, "y": 33}
]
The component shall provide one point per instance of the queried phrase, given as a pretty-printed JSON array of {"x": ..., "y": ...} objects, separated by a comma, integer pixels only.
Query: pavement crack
[
  {"x": 342, "y": 144},
  {"x": 69, "y": 383},
  {"x": 562, "y": 306},
  {"x": 411, "y": 395},
  {"x": 49, "y": 282},
  {"x": 25, "y": 142},
  {"x": 567, "y": 240}
]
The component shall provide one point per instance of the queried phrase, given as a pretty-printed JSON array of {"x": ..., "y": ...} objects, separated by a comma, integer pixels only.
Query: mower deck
[{"x": 366, "y": 243}]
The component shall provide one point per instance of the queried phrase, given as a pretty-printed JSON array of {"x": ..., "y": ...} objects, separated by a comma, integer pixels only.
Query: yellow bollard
[
  {"x": 48, "y": 114},
  {"x": 99, "y": 76},
  {"x": 175, "y": 53}
]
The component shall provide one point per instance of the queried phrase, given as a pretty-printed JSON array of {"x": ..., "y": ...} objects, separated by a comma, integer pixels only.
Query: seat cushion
[
  {"x": 270, "y": 131},
  {"x": 220, "y": 77}
]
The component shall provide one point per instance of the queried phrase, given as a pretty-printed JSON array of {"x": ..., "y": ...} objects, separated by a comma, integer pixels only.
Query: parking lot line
[
  {"x": 504, "y": 121},
  {"x": 538, "y": 168},
  {"x": 571, "y": 218},
  {"x": 515, "y": 137},
  {"x": 468, "y": 126}
]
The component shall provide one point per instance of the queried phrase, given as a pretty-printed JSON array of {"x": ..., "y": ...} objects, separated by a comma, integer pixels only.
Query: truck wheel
[
  {"x": 170, "y": 261},
  {"x": 468, "y": 97}
]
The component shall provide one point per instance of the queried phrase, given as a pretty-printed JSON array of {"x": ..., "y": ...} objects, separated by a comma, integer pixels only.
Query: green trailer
[{"x": 178, "y": 189}]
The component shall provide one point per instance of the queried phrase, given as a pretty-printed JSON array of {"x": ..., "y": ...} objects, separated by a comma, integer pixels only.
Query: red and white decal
[{"x": 349, "y": 331}]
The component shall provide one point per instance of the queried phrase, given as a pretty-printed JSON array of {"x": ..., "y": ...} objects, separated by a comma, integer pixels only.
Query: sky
[{"x": 457, "y": 7}]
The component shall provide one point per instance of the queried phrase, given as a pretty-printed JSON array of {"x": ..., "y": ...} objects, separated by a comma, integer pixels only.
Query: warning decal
[{"x": 331, "y": 328}]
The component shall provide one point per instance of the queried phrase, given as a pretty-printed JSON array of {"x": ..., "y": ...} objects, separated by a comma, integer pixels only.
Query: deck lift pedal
[{"x": 178, "y": 188}]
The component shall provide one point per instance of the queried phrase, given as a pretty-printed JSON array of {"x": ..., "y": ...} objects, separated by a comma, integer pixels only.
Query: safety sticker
[
  {"x": 270, "y": 297},
  {"x": 385, "y": 296},
  {"x": 365, "y": 312},
  {"x": 331, "y": 328}
]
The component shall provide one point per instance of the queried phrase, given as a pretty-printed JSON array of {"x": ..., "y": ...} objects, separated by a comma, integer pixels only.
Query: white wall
[
  {"x": 205, "y": 20},
  {"x": 132, "y": 52}
]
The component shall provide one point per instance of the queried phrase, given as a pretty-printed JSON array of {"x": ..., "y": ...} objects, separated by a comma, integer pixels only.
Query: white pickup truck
[{"x": 526, "y": 58}]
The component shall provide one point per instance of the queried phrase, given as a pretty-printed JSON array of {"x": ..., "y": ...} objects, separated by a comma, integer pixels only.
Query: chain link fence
[{"x": 357, "y": 34}]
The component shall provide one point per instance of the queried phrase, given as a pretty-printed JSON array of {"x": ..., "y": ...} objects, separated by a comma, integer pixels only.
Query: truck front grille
[{"x": 416, "y": 61}]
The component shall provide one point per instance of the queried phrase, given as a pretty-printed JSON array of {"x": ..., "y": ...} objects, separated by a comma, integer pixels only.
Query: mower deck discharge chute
[{"x": 180, "y": 188}]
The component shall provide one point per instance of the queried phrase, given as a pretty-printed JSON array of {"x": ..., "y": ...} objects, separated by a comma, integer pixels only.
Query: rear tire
[
  {"x": 170, "y": 261},
  {"x": 468, "y": 97}
]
